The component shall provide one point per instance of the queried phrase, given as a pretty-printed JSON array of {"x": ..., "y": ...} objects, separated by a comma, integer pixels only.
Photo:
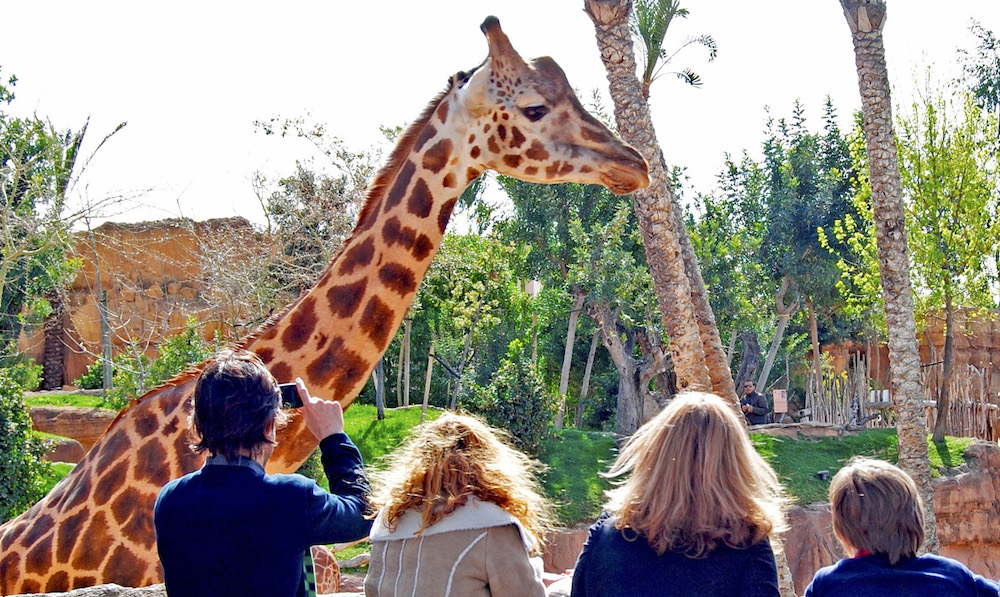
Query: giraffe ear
[{"x": 475, "y": 95}]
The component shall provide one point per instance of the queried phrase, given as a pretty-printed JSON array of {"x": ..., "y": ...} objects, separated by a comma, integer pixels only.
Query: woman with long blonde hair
[
  {"x": 460, "y": 514},
  {"x": 693, "y": 516}
]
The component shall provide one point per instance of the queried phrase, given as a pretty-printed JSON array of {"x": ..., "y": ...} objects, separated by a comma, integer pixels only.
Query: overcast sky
[{"x": 190, "y": 78}]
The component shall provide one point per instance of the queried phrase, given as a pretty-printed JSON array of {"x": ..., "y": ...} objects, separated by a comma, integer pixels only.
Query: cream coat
[{"x": 479, "y": 550}]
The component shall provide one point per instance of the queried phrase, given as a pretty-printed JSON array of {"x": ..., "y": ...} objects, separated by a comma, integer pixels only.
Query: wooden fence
[{"x": 854, "y": 399}]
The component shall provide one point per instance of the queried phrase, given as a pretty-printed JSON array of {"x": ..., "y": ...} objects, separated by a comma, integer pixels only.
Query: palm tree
[
  {"x": 695, "y": 347},
  {"x": 865, "y": 18}
]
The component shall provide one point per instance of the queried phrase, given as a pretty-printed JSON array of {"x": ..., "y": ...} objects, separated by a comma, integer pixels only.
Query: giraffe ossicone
[{"x": 518, "y": 118}]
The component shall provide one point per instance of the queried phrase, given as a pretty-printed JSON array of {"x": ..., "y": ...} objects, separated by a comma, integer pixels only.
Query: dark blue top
[
  {"x": 231, "y": 529},
  {"x": 925, "y": 576},
  {"x": 611, "y": 565}
]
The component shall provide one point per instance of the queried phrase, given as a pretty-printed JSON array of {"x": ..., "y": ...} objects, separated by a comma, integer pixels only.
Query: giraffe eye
[{"x": 534, "y": 113}]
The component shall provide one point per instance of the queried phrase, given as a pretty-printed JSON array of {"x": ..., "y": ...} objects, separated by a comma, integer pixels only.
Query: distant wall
[{"x": 157, "y": 274}]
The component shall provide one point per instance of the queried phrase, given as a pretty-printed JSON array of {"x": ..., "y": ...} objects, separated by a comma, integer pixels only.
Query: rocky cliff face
[{"x": 156, "y": 274}]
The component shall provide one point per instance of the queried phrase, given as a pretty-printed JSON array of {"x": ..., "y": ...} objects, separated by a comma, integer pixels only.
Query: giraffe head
[{"x": 527, "y": 122}]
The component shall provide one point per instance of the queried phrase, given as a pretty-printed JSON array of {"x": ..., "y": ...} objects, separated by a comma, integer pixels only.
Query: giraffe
[{"x": 515, "y": 117}]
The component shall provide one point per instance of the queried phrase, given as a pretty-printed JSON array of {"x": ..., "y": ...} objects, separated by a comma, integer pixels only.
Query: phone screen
[{"x": 289, "y": 395}]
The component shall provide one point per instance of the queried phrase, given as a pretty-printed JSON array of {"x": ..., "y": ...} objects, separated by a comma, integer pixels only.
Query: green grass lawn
[
  {"x": 575, "y": 458},
  {"x": 798, "y": 460},
  {"x": 53, "y": 399}
]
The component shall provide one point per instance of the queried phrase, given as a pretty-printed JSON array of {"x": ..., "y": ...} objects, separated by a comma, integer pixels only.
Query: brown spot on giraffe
[
  {"x": 321, "y": 341},
  {"x": 445, "y": 214},
  {"x": 420, "y": 201},
  {"x": 343, "y": 366},
  {"x": 58, "y": 582},
  {"x": 422, "y": 247},
  {"x": 502, "y": 132},
  {"x": 67, "y": 534},
  {"x": 437, "y": 156},
  {"x": 31, "y": 586},
  {"x": 449, "y": 181},
  {"x": 125, "y": 565},
  {"x": 531, "y": 171},
  {"x": 111, "y": 482},
  {"x": 343, "y": 299},
  {"x": 357, "y": 256},
  {"x": 149, "y": 456},
  {"x": 171, "y": 427},
  {"x": 98, "y": 545},
  {"x": 302, "y": 322},
  {"x": 586, "y": 169},
  {"x": 475, "y": 151},
  {"x": 282, "y": 372},
  {"x": 116, "y": 446},
  {"x": 146, "y": 423},
  {"x": 394, "y": 233},
  {"x": 566, "y": 169},
  {"x": 402, "y": 182},
  {"x": 136, "y": 526},
  {"x": 471, "y": 174},
  {"x": 517, "y": 138},
  {"x": 39, "y": 558},
  {"x": 512, "y": 160},
  {"x": 442, "y": 112},
  {"x": 553, "y": 169},
  {"x": 491, "y": 144},
  {"x": 266, "y": 355},
  {"x": 397, "y": 277},
  {"x": 77, "y": 496},
  {"x": 376, "y": 322},
  {"x": 426, "y": 135},
  {"x": 537, "y": 152}
]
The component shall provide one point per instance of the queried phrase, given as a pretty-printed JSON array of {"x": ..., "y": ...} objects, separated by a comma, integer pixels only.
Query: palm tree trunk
[
  {"x": 865, "y": 18},
  {"x": 654, "y": 206}
]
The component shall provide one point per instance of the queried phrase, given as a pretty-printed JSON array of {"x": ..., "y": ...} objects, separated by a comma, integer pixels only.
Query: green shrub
[
  {"x": 135, "y": 373},
  {"x": 21, "y": 466},
  {"x": 21, "y": 369},
  {"x": 93, "y": 377},
  {"x": 516, "y": 399}
]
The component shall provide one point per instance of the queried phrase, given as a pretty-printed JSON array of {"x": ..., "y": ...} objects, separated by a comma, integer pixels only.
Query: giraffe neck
[{"x": 336, "y": 333}]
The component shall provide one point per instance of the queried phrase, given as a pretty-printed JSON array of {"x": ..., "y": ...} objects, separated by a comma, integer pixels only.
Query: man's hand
[
  {"x": 745, "y": 408},
  {"x": 323, "y": 417}
]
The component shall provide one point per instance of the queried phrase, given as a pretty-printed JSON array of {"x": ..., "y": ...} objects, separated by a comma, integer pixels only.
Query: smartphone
[{"x": 289, "y": 395}]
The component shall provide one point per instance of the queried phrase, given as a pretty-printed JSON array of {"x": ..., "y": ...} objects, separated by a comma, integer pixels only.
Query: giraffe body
[{"x": 517, "y": 118}]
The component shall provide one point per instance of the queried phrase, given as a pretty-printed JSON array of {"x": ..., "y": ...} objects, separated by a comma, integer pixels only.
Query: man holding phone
[{"x": 232, "y": 529}]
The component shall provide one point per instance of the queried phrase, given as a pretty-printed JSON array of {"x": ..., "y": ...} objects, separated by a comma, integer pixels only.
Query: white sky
[{"x": 190, "y": 77}]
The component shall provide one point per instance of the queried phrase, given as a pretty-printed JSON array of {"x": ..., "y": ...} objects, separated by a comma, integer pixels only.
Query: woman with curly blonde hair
[
  {"x": 460, "y": 514},
  {"x": 694, "y": 515}
]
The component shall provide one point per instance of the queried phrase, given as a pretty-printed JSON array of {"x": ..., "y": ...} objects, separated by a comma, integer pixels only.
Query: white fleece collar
[{"x": 475, "y": 514}]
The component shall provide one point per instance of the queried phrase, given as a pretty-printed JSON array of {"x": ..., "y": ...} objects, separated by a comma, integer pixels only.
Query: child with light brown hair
[
  {"x": 460, "y": 515},
  {"x": 878, "y": 517}
]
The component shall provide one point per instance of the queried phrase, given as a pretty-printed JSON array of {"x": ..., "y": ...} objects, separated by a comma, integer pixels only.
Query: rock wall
[{"x": 156, "y": 274}]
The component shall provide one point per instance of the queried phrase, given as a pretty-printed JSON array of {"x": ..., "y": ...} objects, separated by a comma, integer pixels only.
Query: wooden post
[{"x": 427, "y": 384}]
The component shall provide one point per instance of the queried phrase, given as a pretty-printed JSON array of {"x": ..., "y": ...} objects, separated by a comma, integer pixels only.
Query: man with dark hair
[
  {"x": 753, "y": 404},
  {"x": 232, "y": 529},
  {"x": 878, "y": 518}
]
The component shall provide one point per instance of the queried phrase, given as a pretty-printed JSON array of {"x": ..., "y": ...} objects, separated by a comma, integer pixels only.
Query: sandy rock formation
[{"x": 85, "y": 425}]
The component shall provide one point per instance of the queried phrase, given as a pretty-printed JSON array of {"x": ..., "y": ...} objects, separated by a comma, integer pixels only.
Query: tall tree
[
  {"x": 688, "y": 321},
  {"x": 39, "y": 165},
  {"x": 865, "y": 19},
  {"x": 949, "y": 176}
]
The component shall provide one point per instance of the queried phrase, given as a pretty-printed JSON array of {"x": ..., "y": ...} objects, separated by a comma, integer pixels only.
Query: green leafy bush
[
  {"x": 93, "y": 377},
  {"x": 516, "y": 399},
  {"x": 21, "y": 369},
  {"x": 21, "y": 466},
  {"x": 135, "y": 373}
]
